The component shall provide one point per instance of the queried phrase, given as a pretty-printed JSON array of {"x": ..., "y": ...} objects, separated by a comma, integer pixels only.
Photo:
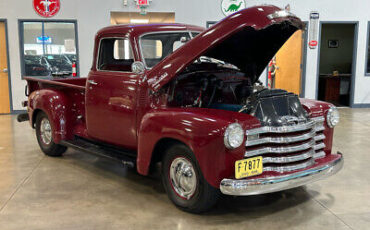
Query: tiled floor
[{"x": 80, "y": 191}]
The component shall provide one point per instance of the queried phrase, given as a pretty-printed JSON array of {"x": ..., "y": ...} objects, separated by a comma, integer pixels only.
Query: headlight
[
  {"x": 332, "y": 117},
  {"x": 234, "y": 136}
]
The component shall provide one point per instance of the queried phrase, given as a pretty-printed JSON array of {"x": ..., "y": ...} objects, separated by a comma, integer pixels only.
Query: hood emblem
[{"x": 290, "y": 120}]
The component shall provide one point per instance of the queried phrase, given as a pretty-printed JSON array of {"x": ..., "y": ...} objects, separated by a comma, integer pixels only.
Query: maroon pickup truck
[{"x": 189, "y": 99}]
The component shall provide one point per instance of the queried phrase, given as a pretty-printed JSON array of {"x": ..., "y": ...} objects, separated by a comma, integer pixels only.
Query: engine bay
[{"x": 231, "y": 90}]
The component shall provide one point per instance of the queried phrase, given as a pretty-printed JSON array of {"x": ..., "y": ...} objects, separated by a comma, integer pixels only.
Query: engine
[
  {"x": 232, "y": 91},
  {"x": 275, "y": 107}
]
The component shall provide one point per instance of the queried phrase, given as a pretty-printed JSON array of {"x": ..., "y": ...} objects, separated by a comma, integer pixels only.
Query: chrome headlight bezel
[
  {"x": 332, "y": 117},
  {"x": 234, "y": 136}
]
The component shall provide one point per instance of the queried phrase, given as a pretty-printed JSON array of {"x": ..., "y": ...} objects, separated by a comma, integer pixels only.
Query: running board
[{"x": 126, "y": 157}]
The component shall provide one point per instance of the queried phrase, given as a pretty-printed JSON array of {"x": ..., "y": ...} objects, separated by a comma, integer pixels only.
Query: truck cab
[{"x": 189, "y": 99}]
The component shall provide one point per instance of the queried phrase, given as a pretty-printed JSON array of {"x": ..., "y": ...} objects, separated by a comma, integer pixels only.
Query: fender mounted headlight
[
  {"x": 234, "y": 136},
  {"x": 332, "y": 117}
]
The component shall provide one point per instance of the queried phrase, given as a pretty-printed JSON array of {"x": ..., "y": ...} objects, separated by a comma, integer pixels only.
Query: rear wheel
[
  {"x": 184, "y": 182},
  {"x": 44, "y": 134}
]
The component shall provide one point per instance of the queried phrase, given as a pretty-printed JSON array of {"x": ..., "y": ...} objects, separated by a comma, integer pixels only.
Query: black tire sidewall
[
  {"x": 51, "y": 149},
  {"x": 194, "y": 203},
  {"x": 39, "y": 118}
]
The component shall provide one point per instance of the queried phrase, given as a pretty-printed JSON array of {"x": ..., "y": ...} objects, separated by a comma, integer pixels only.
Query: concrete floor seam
[
  {"x": 331, "y": 212},
  {"x": 20, "y": 184}
]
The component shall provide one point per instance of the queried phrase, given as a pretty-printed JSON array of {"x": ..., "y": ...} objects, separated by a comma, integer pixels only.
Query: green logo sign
[{"x": 231, "y": 6}]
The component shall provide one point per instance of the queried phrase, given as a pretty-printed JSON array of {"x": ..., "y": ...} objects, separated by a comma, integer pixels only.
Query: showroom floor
[{"x": 80, "y": 191}]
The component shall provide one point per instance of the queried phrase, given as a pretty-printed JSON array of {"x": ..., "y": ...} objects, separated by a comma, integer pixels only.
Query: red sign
[
  {"x": 313, "y": 43},
  {"x": 46, "y": 8},
  {"x": 142, "y": 2}
]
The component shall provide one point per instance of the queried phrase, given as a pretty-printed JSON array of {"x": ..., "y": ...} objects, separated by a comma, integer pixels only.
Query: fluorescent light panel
[{"x": 139, "y": 21}]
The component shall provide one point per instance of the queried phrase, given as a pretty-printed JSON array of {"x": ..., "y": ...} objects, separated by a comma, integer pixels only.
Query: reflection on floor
[{"x": 80, "y": 191}]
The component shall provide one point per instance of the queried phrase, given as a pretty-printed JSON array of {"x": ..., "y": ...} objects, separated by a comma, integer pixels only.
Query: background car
[{"x": 33, "y": 66}]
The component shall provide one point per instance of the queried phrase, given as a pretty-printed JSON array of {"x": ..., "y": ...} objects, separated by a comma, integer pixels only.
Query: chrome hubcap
[
  {"x": 45, "y": 131},
  {"x": 183, "y": 177}
]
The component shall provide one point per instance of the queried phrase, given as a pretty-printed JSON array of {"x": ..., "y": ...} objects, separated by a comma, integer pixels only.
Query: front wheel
[
  {"x": 184, "y": 182},
  {"x": 44, "y": 134}
]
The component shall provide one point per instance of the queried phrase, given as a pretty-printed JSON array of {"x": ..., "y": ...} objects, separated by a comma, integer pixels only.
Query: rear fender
[{"x": 57, "y": 106}]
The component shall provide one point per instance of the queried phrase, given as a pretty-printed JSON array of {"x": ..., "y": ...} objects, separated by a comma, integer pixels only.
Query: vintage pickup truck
[{"x": 189, "y": 100}]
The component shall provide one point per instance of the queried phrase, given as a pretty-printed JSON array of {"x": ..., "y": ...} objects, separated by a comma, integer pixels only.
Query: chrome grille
[{"x": 287, "y": 148}]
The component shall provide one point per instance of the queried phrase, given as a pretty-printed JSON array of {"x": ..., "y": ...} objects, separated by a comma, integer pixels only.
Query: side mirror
[
  {"x": 138, "y": 67},
  {"x": 184, "y": 39}
]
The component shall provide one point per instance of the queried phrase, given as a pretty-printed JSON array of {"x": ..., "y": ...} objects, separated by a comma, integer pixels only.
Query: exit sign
[{"x": 142, "y": 2}]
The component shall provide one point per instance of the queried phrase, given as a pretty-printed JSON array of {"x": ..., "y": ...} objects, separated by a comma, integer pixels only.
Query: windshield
[
  {"x": 56, "y": 60},
  {"x": 155, "y": 47}
]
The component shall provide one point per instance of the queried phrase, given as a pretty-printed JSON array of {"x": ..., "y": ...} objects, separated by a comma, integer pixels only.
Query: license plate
[{"x": 248, "y": 167}]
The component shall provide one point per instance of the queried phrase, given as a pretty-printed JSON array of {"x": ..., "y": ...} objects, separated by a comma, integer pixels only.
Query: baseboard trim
[
  {"x": 359, "y": 105},
  {"x": 18, "y": 111}
]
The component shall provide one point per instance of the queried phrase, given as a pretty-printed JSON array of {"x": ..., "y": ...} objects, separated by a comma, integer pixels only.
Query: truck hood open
[{"x": 247, "y": 39}]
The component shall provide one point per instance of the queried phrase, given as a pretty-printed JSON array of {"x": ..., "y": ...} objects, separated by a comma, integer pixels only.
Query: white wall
[
  {"x": 90, "y": 15},
  {"x": 330, "y": 10},
  {"x": 95, "y": 14}
]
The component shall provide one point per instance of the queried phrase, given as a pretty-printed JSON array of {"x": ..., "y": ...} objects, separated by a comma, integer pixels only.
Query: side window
[{"x": 115, "y": 54}]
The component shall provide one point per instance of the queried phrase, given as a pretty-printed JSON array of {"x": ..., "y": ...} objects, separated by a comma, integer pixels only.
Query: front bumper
[{"x": 279, "y": 183}]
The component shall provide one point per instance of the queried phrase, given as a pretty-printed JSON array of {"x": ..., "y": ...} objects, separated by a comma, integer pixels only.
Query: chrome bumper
[{"x": 274, "y": 184}]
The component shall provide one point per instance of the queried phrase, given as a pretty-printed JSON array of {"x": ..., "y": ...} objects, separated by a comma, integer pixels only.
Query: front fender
[
  {"x": 201, "y": 130},
  {"x": 57, "y": 106},
  {"x": 320, "y": 108}
]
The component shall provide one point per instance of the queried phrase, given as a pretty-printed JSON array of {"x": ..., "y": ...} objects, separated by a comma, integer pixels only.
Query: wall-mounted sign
[
  {"x": 231, "y": 6},
  {"x": 142, "y": 2},
  {"x": 44, "y": 40},
  {"x": 142, "y": 5},
  {"x": 314, "y": 27},
  {"x": 46, "y": 8}
]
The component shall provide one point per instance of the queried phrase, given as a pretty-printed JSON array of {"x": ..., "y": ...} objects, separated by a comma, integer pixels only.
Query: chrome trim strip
[
  {"x": 319, "y": 128},
  {"x": 319, "y": 155},
  {"x": 319, "y": 146},
  {"x": 289, "y": 168},
  {"x": 280, "y": 14},
  {"x": 289, "y": 149},
  {"x": 319, "y": 137},
  {"x": 288, "y": 129},
  {"x": 289, "y": 159},
  {"x": 274, "y": 184},
  {"x": 318, "y": 119},
  {"x": 281, "y": 129},
  {"x": 282, "y": 140}
]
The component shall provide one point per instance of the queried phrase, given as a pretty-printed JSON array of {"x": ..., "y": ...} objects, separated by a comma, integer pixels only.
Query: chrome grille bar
[
  {"x": 289, "y": 168},
  {"x": 319, "y": 155},
  {"x": 319, "y": 137},
  {"x": 289, "y": 159},
  {"x": 319, "y": 146},
  {"x": 288, "y": 149},
  {"x": 282, "y": 129},
  {"x": 281, "y": 140}
]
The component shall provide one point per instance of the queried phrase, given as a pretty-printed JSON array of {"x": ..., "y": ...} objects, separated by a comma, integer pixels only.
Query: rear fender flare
[{"x": 56, "y": 105}]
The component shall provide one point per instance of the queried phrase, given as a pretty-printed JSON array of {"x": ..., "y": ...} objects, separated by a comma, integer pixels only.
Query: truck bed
[{"x": 35, "y": 83}]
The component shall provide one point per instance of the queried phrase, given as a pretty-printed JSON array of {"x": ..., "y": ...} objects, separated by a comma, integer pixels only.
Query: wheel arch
[{"x": 160, "y": 147}]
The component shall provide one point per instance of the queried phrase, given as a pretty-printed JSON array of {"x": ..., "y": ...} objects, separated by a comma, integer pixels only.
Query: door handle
[
  {"x": 92, "y": 82},
  {"x": 5, "y": 70}
]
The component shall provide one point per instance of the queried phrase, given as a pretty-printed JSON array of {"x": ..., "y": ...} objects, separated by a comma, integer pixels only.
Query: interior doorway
[
  {"x": 4, "y": 73},
  {"x": 286, "y": 70},
  {"x": 137, "y": 18},
  {"x": 336, "y": 63}
]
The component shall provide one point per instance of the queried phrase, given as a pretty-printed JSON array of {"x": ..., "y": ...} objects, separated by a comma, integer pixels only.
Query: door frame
[
  {"x": 5, "y": 21},
  {"x": 354, "y": 58},
  {"x": 304, "y": 63}
]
